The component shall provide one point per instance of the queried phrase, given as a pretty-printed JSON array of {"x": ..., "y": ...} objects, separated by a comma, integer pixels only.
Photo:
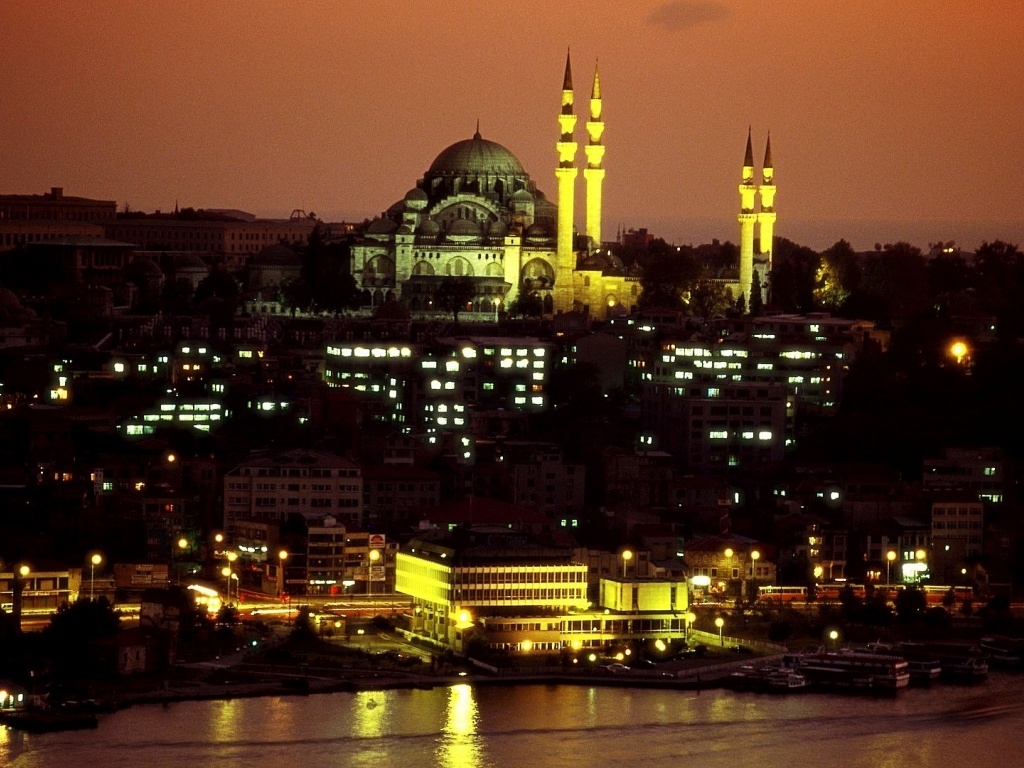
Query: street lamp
[
  {"x": 95, "y": 560},
  {"x": 281, "y": 557},
  {"x": 833, "y": 637},
  {"x": 754, "y": 557},
  {"x": 720, "y": 623},
  {"x": 889, "y": 557},
  {"x": 182, "y": 544},
  {"x": 232, "y": 556},
  {"x": 374, "y": 557},
  {"x": 690, "y": 618},
  {"x": 627, "y": 555}
]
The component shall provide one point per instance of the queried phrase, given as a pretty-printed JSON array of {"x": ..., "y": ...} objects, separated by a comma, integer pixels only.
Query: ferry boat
[
  {"x": 957, "y": 661},
  {"x": 923, "y": 668},
  {"x": 852, "y": 669}
]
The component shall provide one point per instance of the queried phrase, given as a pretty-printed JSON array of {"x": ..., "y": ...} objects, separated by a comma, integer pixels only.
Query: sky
[{"x": 889, "y": 120}]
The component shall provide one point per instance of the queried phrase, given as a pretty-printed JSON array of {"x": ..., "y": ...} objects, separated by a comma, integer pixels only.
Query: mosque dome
[
  {"x": 476, "y": 156},
  {"x": 381, "y": 227},
  {"x": 277, "y": 255},
  {"x": 428, "y": 227},
  {"x": 463, "y": 230},
  {"x": 416, "y": 199}
]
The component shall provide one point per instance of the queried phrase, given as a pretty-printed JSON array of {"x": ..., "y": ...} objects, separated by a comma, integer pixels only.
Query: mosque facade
[{"x": 477, "y": 214}]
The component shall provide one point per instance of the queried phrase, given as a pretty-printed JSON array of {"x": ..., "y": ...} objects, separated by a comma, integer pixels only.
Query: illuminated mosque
[{"x": 476, "y": 213}]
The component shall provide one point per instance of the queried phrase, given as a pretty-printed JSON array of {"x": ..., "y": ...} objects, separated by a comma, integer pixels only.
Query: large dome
[{"x": 476, "y": 156}]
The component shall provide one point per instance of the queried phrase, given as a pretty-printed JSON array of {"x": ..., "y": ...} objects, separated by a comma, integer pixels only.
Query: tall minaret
[
  {"x": 594, "y": 172},
  {"x": 747, "y": 217},
  {"x": 565, "y": 257},
  {"x": 766, "y": 218}
]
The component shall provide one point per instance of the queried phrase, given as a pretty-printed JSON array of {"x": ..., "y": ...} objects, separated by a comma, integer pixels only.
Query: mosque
[{"x": 476, "y": 213}]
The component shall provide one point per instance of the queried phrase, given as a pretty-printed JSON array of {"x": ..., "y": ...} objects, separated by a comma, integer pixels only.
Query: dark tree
[
  {"x": 710, "y": 298},
  {"x": 454, "y": 294},
  {"x": 667, "y": 277}
]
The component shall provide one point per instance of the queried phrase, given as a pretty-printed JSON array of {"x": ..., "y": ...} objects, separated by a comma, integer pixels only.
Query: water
[{"x": 494, "y": 726}]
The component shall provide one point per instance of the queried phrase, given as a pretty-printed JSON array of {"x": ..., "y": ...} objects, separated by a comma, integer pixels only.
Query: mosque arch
[
  {"x": 423, "y": 268},
  {"x": 538, "y": 273},
  {"x": 458, "y": 267},
  {"x": 494, "y": 269},
  {"x": 378, "y": 270}
]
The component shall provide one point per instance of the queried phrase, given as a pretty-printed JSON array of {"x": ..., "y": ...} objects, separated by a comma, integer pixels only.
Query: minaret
[
  {"x": 747, "y": 217},
  {"x": 594, "y": 172},
  {"x": 766, "y": 218},
  {"x": 565, "y": 258}
]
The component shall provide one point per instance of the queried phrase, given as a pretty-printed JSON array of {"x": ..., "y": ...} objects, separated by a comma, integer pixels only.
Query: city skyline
[{"x": 888, "y": 121}]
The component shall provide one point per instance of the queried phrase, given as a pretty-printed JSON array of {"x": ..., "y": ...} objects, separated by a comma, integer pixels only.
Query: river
[{"x": 496, "y": 726}]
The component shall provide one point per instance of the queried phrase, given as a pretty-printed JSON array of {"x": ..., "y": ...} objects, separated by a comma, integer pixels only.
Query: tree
[
  {"x": 710, "y": 298},
  {"x": 667, "y": 277},
  {"x": 527, "y": 303},
  {"x": 838, "y": 275},
  {"x": 454, "y": 294},
  {"x": 756, "y": 302}
]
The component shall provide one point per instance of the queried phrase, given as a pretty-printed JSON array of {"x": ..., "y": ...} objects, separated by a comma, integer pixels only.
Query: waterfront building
[{"x": 506, "y": 591}]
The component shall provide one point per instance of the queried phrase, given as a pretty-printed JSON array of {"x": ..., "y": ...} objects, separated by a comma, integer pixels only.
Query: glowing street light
[
  {"x": 95, "y": 560},
  {"x": 690, "y": 618},
  {"x": 958, "y": 349},
  {"x": 890, "y": 556},
  {"x": 374, "y": 557},
  {"x": 833, "y": 637},
  {"x": 627, "y": 555},
  {"x": 226, "y": 571},
  {"x": 720, "y": 623}
]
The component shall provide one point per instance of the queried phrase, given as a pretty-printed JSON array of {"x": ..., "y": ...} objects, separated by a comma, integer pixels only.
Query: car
[
  {"x": 744, "y": 649},
  {"x": 617, "y": 667},
  {"x": 644, "y": 664}
]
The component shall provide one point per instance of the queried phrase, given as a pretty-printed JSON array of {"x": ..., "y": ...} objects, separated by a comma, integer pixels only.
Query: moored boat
[{"x": 852, "y": 669}]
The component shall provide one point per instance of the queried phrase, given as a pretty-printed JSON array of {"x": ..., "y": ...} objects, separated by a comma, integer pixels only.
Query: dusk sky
[{"x": 889, "y": 120}]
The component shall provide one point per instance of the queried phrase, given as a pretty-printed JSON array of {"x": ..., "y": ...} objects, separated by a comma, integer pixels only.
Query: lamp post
[
  {"x": 373, "y": 556},
  {"x": 690, "y": 618},
  {"x": 720, "y": 623},
  {"x": 182, "y": 546},
  {"x": 95, "y": 560},
  {"x": 281, "y": 557},
  {"x": 754, "y": 557},
  {"x": 231, "y": 556},
  {"x": 889, "y": 557},
  {"x": 627, "y": 555}
]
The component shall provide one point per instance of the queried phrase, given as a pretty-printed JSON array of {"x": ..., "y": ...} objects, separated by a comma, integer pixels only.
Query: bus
[{"x": 777, "y": 594}]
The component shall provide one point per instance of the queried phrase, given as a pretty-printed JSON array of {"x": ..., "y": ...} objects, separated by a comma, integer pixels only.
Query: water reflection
[
  {"x": 224, "y": 721},
  {"x": 369, "y": 714},
  {"x": 460, "y": 745}
]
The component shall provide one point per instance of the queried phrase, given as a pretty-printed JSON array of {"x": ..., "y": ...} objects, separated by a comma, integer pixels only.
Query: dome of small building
[
  {"x": 497, "y": 229},
  {"x": 476, "y": 156},
  {"x": 405, "y": 229},
  {"x": 521, "y": 196}
]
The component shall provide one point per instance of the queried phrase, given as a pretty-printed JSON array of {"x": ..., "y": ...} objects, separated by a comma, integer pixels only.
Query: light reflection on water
[{"x": 494, "y": 727}]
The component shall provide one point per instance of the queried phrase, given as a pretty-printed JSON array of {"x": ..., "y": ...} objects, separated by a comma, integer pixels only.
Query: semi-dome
[{"x": 476, "y": 156}]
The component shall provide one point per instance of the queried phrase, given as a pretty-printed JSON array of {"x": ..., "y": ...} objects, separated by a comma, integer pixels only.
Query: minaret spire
[
  {"x": 594, "y": 172},
  {"x": 766, "y": 218},
  {"x": 747, "y": 218},
  {"x": 565, "y": 173}
]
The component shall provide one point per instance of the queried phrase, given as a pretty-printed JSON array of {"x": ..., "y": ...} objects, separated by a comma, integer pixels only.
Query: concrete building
[
  {"x": 309, "y": 483},
  {"x": 506, "y": 592}
]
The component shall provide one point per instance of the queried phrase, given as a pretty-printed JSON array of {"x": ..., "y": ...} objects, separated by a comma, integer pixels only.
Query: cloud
[{"x": 683, "y": 14}]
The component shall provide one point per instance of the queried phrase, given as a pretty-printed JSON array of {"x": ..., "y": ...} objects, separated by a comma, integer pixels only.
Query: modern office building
[{"x": 498, "y": 588}]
